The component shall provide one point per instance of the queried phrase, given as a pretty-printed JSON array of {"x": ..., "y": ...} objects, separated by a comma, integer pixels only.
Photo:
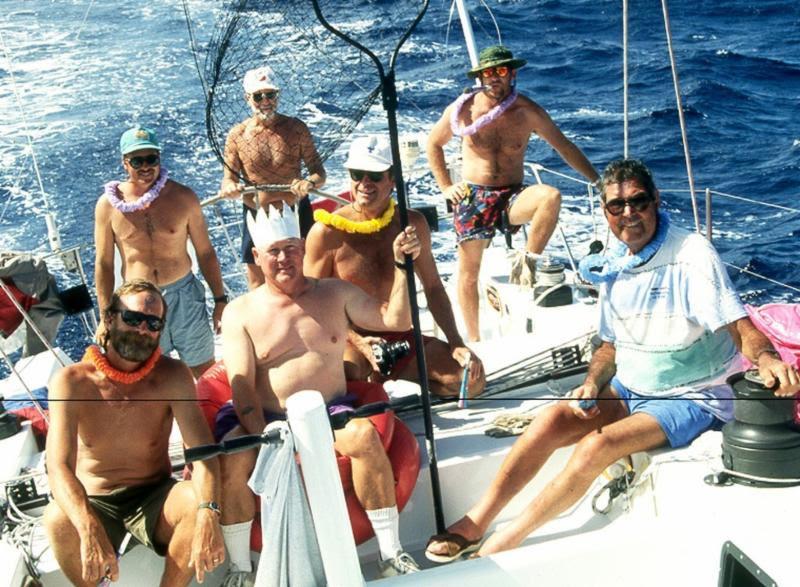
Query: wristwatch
[
  {"x": 772, "y": 352},
  {"x": 210, "y": 505},
  {"x": 223, "y": 299}
]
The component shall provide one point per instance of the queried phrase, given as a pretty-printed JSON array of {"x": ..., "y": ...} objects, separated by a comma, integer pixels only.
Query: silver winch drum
[
  {"x": 762, "y": 439},
  {"x": 550, "y": 279}
]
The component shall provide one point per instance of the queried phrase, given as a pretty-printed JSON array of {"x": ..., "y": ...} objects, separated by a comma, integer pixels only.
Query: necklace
[
  {"x": 481, "y": 121},
  {"x": 356, "y": 226},
  {"x": 110, "y": 192},
  {"x": 95, "y": 355},
  {"x": 599, "y": 268}
]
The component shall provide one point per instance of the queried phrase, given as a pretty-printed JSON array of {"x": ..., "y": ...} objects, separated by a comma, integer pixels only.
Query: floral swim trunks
[{"x": 480, "y": 213}]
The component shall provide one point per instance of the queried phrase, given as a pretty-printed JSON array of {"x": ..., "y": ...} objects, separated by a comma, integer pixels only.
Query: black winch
[{"x": 762, "y": 439}]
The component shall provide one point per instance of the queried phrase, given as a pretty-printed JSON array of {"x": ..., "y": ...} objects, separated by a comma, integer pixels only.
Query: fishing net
[{"x": 326, "y": 83}]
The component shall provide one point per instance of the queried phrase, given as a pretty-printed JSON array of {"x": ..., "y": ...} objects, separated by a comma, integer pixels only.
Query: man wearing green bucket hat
[{"x": 495, "y": 123}]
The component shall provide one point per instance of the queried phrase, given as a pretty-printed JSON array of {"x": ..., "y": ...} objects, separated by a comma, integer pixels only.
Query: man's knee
[
  {"x": 359, "y": 439},
  {"x": 55, "y": 521}
]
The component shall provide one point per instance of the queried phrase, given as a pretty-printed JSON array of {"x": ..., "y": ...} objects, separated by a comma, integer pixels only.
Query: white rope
[
  {"x": 764, "y": 277},
  {"x": 24, "y": 119},
  {"x": 624, "y": 78},
  {"x": 684, "y": 136},
  {"x": 83, "y": 22}
]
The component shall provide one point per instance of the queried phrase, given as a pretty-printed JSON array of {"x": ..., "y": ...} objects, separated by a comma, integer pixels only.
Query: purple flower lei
[
  {"x": 481, "y": 121},
  {"x": 110, "y": 192}
]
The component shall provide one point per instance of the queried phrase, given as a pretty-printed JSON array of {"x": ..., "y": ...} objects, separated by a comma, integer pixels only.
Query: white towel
[{"x": 289, "y": 554}]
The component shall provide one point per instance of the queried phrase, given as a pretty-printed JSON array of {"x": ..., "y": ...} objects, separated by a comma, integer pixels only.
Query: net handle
[{"x": 389, "y": 95}]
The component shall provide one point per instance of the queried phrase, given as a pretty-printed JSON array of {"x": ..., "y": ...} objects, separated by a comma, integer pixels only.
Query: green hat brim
[{"x": 512, "y": 63}]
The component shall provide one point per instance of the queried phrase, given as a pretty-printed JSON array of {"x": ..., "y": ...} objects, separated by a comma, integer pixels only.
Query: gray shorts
[{"x": 187, "y": 329}]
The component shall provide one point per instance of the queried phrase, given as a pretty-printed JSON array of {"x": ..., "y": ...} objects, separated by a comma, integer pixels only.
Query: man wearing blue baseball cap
[{"x": 149, "y": 218}]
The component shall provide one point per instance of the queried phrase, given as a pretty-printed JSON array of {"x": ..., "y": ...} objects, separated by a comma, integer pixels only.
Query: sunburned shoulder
[
  {"x": 178, "y": 190},
  {"x": 72, "y": 380}
]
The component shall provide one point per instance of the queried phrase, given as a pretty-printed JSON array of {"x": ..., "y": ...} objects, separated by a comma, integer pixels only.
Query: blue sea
[{"x": 74, "y": 74}]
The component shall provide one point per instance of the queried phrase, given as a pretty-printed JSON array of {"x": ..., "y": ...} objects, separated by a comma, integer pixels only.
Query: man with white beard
[{"x": 269, "y": 148}]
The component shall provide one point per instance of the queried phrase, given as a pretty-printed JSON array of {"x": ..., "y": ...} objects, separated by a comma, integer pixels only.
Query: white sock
[
  {"x": 237, "y": 542},
  {"x": 386, "y": 523}
]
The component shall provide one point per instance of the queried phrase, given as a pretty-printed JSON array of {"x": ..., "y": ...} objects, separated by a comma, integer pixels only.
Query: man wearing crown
[
  {"x": 495, "y": 123},
  {"x": 149, "y": 218},
  {"x": 354, "y": 244},
  {"x": 269, "y": 148},
  {"x": 287, "y": 335},
  {"x": 107, "y": 453}
]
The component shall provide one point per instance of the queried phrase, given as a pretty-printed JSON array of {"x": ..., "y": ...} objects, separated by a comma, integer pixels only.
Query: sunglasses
[
  {"x": 358, "y": 175},
  {"x": 258, "y": 96},
  {"x": 133, "y": 318},
  {"x": 499, "y": 71},
  {"x": 638, "y": 203},
  {"x": 139, "y": 160}
]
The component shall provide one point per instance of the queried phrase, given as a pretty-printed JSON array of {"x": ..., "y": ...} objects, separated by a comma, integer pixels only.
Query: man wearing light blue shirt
[{"x": 673, "y": 329}]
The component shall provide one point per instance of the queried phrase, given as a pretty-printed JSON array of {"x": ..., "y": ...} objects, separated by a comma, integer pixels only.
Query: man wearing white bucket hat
[
  {"x": 288, "y": 335},
  {"x": 269, "y": 148}
]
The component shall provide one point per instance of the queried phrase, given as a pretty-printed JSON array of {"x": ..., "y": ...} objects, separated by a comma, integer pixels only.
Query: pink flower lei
[
  {"x": 481, "y": 121},
  {"x": 110, "y": 192}
]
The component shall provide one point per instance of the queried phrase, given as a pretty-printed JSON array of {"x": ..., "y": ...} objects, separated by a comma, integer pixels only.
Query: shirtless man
[
  {"x": 107, "y": 453},
  {"x": 149, "y": 219},
  {"x": 268, "y": 148},
  {"x": 289, "y": 335},
  {"x": 350, "y": 253},
  {"x": 493, "y": 154}
]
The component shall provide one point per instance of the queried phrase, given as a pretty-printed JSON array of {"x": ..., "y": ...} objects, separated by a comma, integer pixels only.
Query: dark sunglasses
[
  {"x": 139, "y": 160},
  {"x": 638, "y": 203},
  {"x": 499, "y": 71},
  {"x": 133, "y": 318},
  {"x": 258, "y": 96},
  {"x": 358, "y": 175}
]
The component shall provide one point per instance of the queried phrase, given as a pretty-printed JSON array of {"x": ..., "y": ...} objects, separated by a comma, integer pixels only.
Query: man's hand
[
  {"x": 457, "y": 192},
  {"x": 774, "y": 371},
  {"x": 230, "y": 190},
  {"x": 588, "y": 392},
  {"x": 98, "y": 559},
  {"x": 208, "y": 549},
  {"x": 216, "y": 316},
  {"x": 461, "y": 354},
  {"x": 363, "y": 344},
  {"x": 301, "y": 187},
  {"x": 406, "y": 243}
]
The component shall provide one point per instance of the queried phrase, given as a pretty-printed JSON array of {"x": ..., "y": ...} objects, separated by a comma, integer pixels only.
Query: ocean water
[{"x": 74, "y": 74}]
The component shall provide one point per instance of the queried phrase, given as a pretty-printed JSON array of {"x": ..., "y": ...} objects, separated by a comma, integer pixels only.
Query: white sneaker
[
  {"x": 401, "y": 564},
  {"x": 239, "y": 579}
]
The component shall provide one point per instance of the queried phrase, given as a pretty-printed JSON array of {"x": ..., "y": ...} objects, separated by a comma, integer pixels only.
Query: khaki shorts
[{"x": 135, "y": 510}]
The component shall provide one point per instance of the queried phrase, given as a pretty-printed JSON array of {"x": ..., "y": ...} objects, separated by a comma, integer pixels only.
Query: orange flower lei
[{"x": 95, "y": 355}]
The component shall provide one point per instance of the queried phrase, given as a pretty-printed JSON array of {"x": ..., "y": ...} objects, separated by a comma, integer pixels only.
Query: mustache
[{"x": 133, "y": 346}]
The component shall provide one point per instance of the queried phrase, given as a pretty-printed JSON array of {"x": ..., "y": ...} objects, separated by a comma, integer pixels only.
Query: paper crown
[{"x": 266, "y": 229}]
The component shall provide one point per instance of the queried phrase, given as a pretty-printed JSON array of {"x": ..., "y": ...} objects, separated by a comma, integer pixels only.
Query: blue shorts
[
  {"x": 682, "y": 420},
  {"x": 187, "y": 329}
]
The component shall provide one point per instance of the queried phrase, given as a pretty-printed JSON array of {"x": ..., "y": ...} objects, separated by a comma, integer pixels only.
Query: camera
[{"x": 387, "y": 354}]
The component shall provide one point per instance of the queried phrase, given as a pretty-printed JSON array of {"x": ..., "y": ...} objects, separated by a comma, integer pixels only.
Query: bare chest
[
  {"x": 160, "y": 224},
  {"x": 368, "y": 262},
  {"x": 266, "y": 154},
  {"x": 508, "y": 134}
]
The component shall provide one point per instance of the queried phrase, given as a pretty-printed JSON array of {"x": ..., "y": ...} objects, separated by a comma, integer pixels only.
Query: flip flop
[{"x": 457, "y": 546}]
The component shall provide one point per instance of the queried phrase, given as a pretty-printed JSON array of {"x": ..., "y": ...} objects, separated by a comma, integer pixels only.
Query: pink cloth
[{"x": 781, "y": 324}]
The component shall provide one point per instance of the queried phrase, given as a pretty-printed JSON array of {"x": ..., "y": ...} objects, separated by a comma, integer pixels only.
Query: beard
[
  {"x": 266, "y": 116},
  {"x": 131, "y": 345}
]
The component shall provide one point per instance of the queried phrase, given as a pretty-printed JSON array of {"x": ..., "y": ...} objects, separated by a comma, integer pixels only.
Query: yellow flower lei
[{"x": 356, "y": 226}]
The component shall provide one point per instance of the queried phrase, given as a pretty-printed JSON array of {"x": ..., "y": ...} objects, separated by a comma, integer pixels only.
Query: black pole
[{"x": 389, "y": 96}]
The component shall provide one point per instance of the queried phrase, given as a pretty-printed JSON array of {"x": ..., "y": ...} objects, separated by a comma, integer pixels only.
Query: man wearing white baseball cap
[
  {"x": 269, "y": 148},
  {"x": 355, "y": 244}
]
